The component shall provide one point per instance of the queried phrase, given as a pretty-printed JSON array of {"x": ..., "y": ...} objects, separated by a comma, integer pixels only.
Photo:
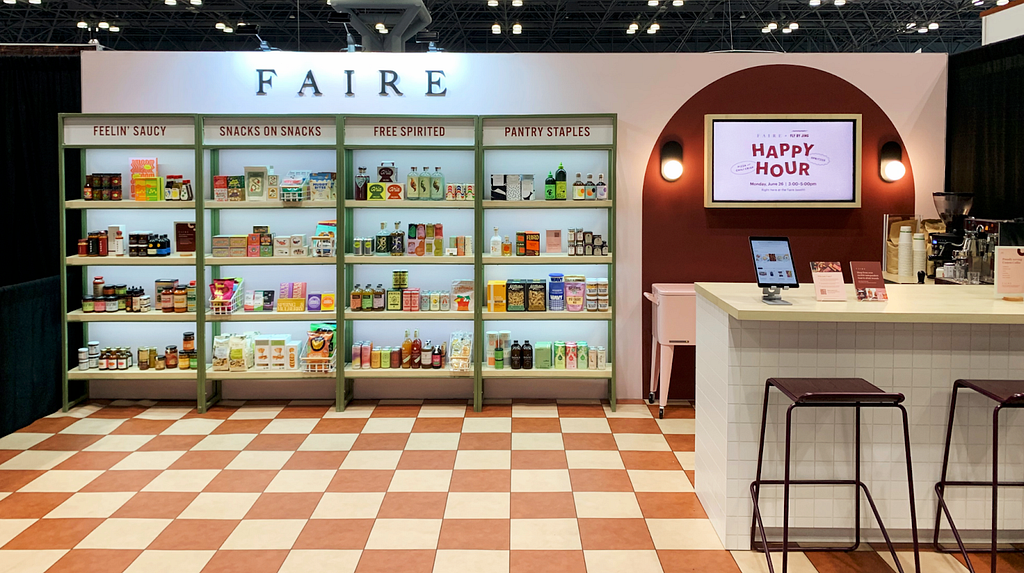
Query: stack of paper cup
[
  {"x": 920, "y": 253},
  {"x": 906, "y": 256}
]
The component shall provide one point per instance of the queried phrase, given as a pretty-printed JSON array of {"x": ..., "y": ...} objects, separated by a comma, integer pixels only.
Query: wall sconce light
[
  {"x": 671, "y": 160},
  {"x": 891, "y": 162}
]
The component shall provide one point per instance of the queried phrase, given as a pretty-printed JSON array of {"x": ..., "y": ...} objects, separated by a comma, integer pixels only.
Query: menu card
[
  {"x": 868, "y": 281},
  {"x": 1009, "y": 271},
  {"x": 828, "y": 281},
  {"x": 185, "y": 237}
]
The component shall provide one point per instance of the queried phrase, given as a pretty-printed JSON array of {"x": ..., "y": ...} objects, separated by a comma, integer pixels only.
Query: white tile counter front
[{"x": 918, "y": 343}]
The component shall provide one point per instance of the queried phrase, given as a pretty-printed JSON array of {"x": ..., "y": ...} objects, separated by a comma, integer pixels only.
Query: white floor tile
[
  {"x": 585, "y": 426},
  {"x": 61, "y": 481},
  {"x": 328, "y": 442},
  {"x": 477, "y": 561},
  {"x": 642, "y": 442},
  {"x": 265, "y": 534},
  {"x": 660, "y": 481},
  {"x": 404, "y": 534},
  {"x": 442, "y": 411},
  {"x": 192, "y": 427},
  {"x": 537, "y": 441},
  {"x": 181, "y": 480},
  {"x": 483, "y": 460},
  {"x": 694, "y": 534},
  {"x": 487, "y": 425},
  {"x": 21, "y": 440},
  {"x": 148, "y": 461},
  {"x": 93, "y": 426},
  {"x": 290, "y": 426},
  {"x": 371, "y": 460},
  {"x": 124, "y": 534},
  {"x": 627, "y": 411},
  {"x": 686, "y": 459},
  {"x": 677, "y": 426},
  {"x": 608, "y": 561},
  {"x": 300, "y": 481},
  {"x": 540, "y": 480},
  {"x": 433, "y": 441},
  {"x": 119, "y": 443},
  {"x": 259, "y": 460},
  {"x": 11, "y": 528},
  {"x": 170, "y": 562},
  {"x": 472, "y": 505},
  {"x": 165, "y": 413},
  {"x": 754, "y": 562},
  {"x": 226, "y": 442},
  {"x": 216, "y": 505},
  {"x": 35, "y": 460},
  {"x": 308, "y": 561},
  {"x": 357, "y": 411},
  {"x": 594, "y": 460},
  {"x": 256, "y": 413},
  {"x": 601, "y": 504},
  {"x": 360, "y": 505},
  {"x": 421, "y": 480},
  {"x": 93, "y": 504},
  {"x": 534, "y": 410},
  {"x": 526, "y": 534},
  {"x": 29, "y": 560},
  {"x": 389, "y": 425},
  {"x": 930, "y": 562}
]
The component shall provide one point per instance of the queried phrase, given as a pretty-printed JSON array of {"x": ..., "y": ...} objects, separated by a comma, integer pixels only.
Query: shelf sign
[
  {"x": 258, "y": 131},
  {"x": 549, "y": 131},
  {"x": 120, "y": 130},
  {"x": 385, "y": 131}
]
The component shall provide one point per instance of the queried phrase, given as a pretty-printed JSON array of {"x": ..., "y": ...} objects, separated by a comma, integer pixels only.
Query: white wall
[
  {"x": 643, "y": 89},
  {"x": 1002, "y": 24}
]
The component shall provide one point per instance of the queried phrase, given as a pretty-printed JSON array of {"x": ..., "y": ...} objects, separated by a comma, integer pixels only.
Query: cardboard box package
[{"x": 262, "y": 353}]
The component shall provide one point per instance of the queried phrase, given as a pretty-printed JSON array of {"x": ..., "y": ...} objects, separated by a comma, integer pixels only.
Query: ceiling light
[
  {"x": 630, "y": 31},
  {"x": 517, "y": 28},
  {"x": 196, "y": 2},
  {"x": 229, "y": 30},
  {"x": 10, "y": 1},
  {"x": 240, "y": 24},
  {"x": 379, "y": 26},
  {"x": 765, "y": 30},
  {"x": 922, "y": 30},
  {"x": 933, "y": 26},
  {"x": 495, "y": 28},
  {"x": 911, "y": 25},
  {"x": 652, "y": 2},
  {"x": 651, "y": 31},
  {"x": 634, "y": 26},
  {"x": 840, "y": 2},
  {"x": 1002, "y": 2},
  {"x": 815, "y": 2},
  {"x": 383, "y": 30},
  {"x": 115, "y": 28},
  {"x": 83, "y": 25},
  {"x": 219, "y": 25},
  {"x": 794, "y": 26},
  {"x": 103, "y": 25},
  {"x": 492, "y": 3},
  {"x": 171, "y": 2},
  {"x": 655, "y": 26},
  {"x": 35, "y": 1},
  {"x": 773, "y": 26},
  {"x": 677, "y": 3},
  {"x": 517, "y": 3},
  {"x": 787, "y": 30}
]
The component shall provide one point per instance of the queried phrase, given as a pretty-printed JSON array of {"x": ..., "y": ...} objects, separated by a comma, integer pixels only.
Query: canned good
[
  {"x": 592, "y": 359},
  {"x": 365, "y": 354},
  {"x": 425, "y": 301},
  {"x": 435, "y": 301},
  {"x": 367, "y": 246},
  {"x": 559, "y": 358},
  {"x": 357, "y": 246},
  {"x": 556, "y": 291},
  {"x": 602, "y": 303},
  {"x": 83, "y": 358},
  {"x": 399, "y": 279},
  {"x": 583, "y": 355},
  {"x": 602, "y": 358},
  {"x": 571, "y": 355},
  {"x": 446, "y": 300},
  {"x": 357, "y": 355},
  {"x": 591, "y": 304},
  {"x": 375, "y": 358},
  {"x": 396, "y": 357}
]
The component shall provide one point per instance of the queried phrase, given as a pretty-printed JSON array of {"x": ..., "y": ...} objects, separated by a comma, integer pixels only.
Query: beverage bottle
[
  {"x": 601, "y": 189},
  {"x": 444, "y": 355},
  {"x": 367, "y": 297},
  {"x": 425, "y": 183},
  {"x": 516, "y": 361},
  {"x": 499, "y": 357},
  {"x": 415, "y": 348},
  {"x": 527, "y": 356},
  {"x": 407, "y": 351},
  {"x": 549, "y": 187},
  {"x": 579, "y": 189},
  {"x": 413, "y": 243},
  {"x": 412, "y": 185},
  {"x": 437, "y": 185},
  {"x": 360, "y": 184},
  {"x": 426, "y": 354},
  {"x": 355, "y": 303},
  {"x": 560, "y": 183},
  {"x": 378, "y": 298},
  {"x": 397, "y": 241},
  {"x": 382, "y": 241},
  {"x": 496, "y": 244},
  {"x": 506, "y": 247},
  {"x": 435, "y": 358},
  {"x": 590, "y": 188}
]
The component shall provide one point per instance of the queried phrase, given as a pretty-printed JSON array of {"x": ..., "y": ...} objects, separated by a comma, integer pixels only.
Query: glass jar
[
  {"x": 171, "y": 356},
  {"x": 193, "y": 360},
  {"x": 161, "y": 362},
  {"x": 188, "y": 341},
  {"x": 143, "y": 358},
  {"x": 180, "y": 299},
  {"x": 109, "y": 290},
  {"x": 183, "y": 360},
  {"x": 112, "y": 303},
  {"x": 167, "y": 300},
  {"x": 88, "y": 304},
  {"x": 97, "y": 286}
]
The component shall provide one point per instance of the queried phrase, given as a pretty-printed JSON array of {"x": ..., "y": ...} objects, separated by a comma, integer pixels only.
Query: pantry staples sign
[
  {"x": 549, "y": 131},
  {"x": 117, "y": 130},
  {"x": 784, "y": 160},
  {"x": 296, "y": 130}
]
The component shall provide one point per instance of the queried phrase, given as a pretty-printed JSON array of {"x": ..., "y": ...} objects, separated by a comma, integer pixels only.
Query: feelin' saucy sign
[{"x": 784, "y": 160}]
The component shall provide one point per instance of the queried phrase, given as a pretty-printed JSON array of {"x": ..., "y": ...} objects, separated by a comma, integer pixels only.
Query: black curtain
[
  {"x": 33, "y": 90},
  {"x": 985, "y": 128}
]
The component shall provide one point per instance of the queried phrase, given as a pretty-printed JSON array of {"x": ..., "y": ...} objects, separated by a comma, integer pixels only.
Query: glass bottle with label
[
  {"x": 426, "y": 354},
  {"x": 412, "y": 185},
  {"x": 589, "y": 187},
  {"x": 407, "y": 351},
  {"x": 561, "y": 186},
  {"x": 367, "y": 298},
  {"x": 397, "y": 242},
  {"x": 516, "y": 356},
  {"x": 579, "y": 189},
  {"x": 379, "y": 298},
  {"x": 499, "y": 357},
  {"x": 361, "y": 181},
  {"x": 416, "y": 348},
  {"x": 437, "y": 185},
  {"x": 506, "y": 247},
  {"x": 425, "y": 183},
  {"x": 382, "y": 241},
  {"x": 527, "y": 355},
  {"x": 356, "y": 299},
  {"x": 600, "y": 189},
  {"x": 496, "y": 244},
  {"x": 549, "y": 187}
]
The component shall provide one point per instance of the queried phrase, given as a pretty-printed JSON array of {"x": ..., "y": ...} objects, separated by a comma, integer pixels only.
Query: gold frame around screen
[{"x": 709, "y": 159}]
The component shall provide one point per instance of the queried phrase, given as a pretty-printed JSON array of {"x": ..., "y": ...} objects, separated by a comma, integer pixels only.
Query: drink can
[
  {"x": 375, "y": 358},
  {"x": 602, "y": 358},
  {"x": 366, "y": 355},
  {"x": 367, "y": 246},
  {"x": 435, "y": 301},
  {"x": 425, "y": 301},
  {"x": 446, "y": 300},
  {"x": 583, "y": 355},
  {"x": 357, "y": 246},
  {"x": 421, "y": 231},
  {"x": 559, "y": 362},
  {"x": 570, "y": 355},
  {"x": 357, "y": 355},
  {"x": 396, "y": 357},
  {"x": 592, "y": 359}
]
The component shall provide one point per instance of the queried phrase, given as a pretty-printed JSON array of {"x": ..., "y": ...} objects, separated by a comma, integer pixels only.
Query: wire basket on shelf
[
  {"x": 228, "y": 306},
  {"x": 318, "y": 365}
]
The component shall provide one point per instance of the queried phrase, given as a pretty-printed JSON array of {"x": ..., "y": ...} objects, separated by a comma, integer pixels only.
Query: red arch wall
[{"x": 684, "y": 242}]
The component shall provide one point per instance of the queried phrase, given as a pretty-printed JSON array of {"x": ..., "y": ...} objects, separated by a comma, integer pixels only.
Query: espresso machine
[
  {"x": 953, "y": 209},
  {"x": 981, "y": 237}
]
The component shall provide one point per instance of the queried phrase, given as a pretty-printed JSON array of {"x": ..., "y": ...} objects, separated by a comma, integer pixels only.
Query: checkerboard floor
[{"x": 390, "y": 486}]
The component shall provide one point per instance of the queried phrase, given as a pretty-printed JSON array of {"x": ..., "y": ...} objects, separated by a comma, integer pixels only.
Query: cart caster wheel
[
  {"x": 650, "y": 398},
  {"x": 661, "y": 412}
]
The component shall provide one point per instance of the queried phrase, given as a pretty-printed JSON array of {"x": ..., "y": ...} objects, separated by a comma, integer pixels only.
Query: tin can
[
  {"x": 366, "y": 355},
  {"x": 367, "y": 246},
  {"x": 357, "y": 355},
  {"x": 592, "y": 359},
  {"x": 435, "y": 301},
  {"x": 556, "y": 292},
  {"x": 583, "y": 355},
  {"x": 446, "y": 300},
  {"x": 396, "y": 357},
  {"x": 559, "y": 361},
  {"x": 375, "y": 358},
  {"x": 571, "y": 355},
  {"x": 357, "y": 246},
  {"x": 602, "y": 358},
  {"x": 399, "y": 279},
  {"x": 425, "y": 301}
]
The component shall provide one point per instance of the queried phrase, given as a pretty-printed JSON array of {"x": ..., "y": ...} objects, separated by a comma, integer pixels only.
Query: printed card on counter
[
  {"x": 1009, "y": 271},
  {"x": 868, "y": 281},
  {"x": 828, "y": 281}
]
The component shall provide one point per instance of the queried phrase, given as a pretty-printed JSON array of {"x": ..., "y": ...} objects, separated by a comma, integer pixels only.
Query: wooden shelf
[
  {"x": 406, "y": 260},
  {"x": 488, "y": 204},
  {"x": 121, "y": 316},
  {"x": 549, "y": 259},
  {"x": 245, "y": 261},
  {"x": 271, "y": 316},
  {"x": 350, "y": 203},
  {"x": 490, "y": 372},
  {"x": 132, "y": 373},
  {"x": 128, "y": 204},
  {"x": 173, "y": 260},
  {"x": 211, "y": 374},
  {"x": 402, "y": 315},
  {"x": 404, "y": 373},
  {"x": 549, "y": 315},
  {"x": 329, "y": 204}
]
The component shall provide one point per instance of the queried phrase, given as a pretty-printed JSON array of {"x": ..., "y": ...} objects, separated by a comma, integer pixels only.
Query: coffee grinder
[{"x": 953, "y": 209}]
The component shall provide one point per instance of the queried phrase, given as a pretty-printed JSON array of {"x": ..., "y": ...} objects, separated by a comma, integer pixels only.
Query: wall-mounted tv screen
[{"x": 794, "y": 161}]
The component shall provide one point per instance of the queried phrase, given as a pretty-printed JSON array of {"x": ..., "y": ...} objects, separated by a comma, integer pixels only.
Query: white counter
[{"x": 917, "y": 343}]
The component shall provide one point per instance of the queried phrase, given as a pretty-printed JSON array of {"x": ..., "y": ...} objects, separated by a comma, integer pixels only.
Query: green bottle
[
  {"x": 560, "y": 183},
  {"x": 499, "y": 357},
  {"x": 549, "y": 187}
]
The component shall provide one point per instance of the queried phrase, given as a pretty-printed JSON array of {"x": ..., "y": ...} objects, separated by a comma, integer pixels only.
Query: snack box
[
  {"x": 220, "y": 188},
  {"x": 236, "y": 187},
  {"x": 252, "y": 251},
  {"x": 237, "y": 252},
  {"x": 222, "y": 251},
  {"x": 285, "y": 290},
  {"x": 262, "y": 346},
  {"x": 496, "y": 296},
  {"x": 299, "y": 290},
  {"x": 395, "y": 190},
  {"x": 292, "y": 353},
  {"x": 313, "y": 302},
  {"x": 221, "y": 241},
  {"x": 536, "y": 295},
  {"x": 532, "y": 244},
  {"x": 376, "y": 191},
  {"x": 327, "y": 302},
  {"x": 278, "y": 352},
  {"x": 515, "y": 296},
  {"x": 542, "y": 355},
  {"x": 266, "y": 251},
  {"x": 238, "y": 241}
]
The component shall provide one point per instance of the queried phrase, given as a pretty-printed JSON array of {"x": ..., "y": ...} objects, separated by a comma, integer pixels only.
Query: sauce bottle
[
  {"x": 407, "y": 351},
  {"x": 367, "y": 298},
  {"x": 435, "y": 358},
  {"x": 412, "y": 185},
  {"x": 549, "y": 187},
  {"x": 379, "y": 300},
  {"x": 579, "y": 189},
  {"x": 516, "y": 361},
  {"x": 355, "y": 303},
  {"x": 589, "y": 187},
  {"x": 506, "y": 247},
  {"x": 397, "y": 242},
  {"x": 415, "y": 349},
  {"x": 560, "y": 183},
  {"x": 426, "y": 354},
  {"x": 527, "y": 356},
  {"x": 600, "y": 189}
]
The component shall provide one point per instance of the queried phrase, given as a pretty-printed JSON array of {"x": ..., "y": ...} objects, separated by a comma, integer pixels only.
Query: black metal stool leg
[
  {"x": 941, "y": 486},
  {"x": 856, "y": 478},
  {"x": 995, "y": 484},
  {"x": 785, "y": 494},
  {"x": 910, "y": 484},
  {"x": 755, "y": 487}
]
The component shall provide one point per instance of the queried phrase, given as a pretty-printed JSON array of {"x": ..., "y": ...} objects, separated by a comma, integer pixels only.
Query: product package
[
  {"x": 499, "y": 192},
  {"x": 515, "y": 296},
  {"x": 460, "y": 352},
  {"x": 462, "y": 295},
  {"x": 496, "y": 296}
]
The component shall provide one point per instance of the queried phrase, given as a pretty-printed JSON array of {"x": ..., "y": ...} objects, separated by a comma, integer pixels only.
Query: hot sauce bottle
[
  {"x": 415, "y": 349},
  {"x": 407, "y": 351}
]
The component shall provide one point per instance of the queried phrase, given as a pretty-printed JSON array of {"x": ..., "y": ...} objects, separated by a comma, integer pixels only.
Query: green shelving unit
[{"x": 198, "y": 133}]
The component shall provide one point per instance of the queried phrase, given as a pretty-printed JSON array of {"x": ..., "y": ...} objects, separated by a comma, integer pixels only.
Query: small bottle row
[{"x": 122, "y": 358}]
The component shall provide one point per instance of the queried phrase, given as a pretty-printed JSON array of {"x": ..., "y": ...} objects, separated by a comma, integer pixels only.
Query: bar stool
[
  {"x": 828, "y": 393},
  {"x": 1006, "y": 394}
]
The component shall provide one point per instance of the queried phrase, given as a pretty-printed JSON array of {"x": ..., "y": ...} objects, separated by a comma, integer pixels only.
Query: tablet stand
[{"x": 773, "y": 295}]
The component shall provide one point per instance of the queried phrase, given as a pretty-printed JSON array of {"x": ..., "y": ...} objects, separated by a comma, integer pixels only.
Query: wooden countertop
[{"x": 943, "y": 304}]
